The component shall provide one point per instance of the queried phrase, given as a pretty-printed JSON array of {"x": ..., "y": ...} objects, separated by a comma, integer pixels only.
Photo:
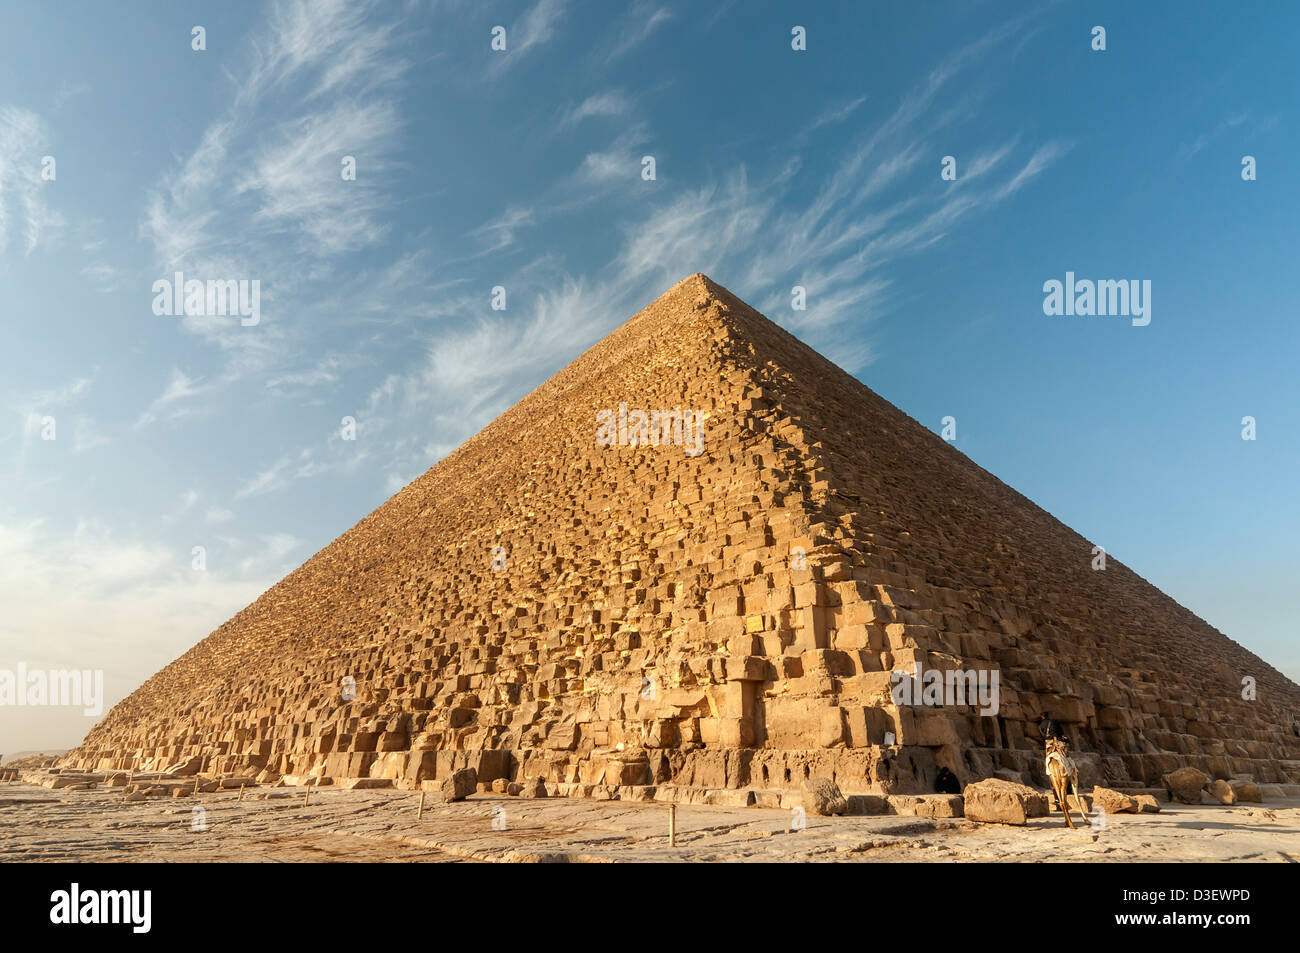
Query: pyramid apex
[{"x": 701, "y": 280}]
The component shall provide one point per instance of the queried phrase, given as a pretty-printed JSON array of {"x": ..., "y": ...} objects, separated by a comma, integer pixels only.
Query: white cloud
[
  {"x": 298, "y": 187},
  {"x": 534, "y": 28},
  {"x": 500, "y": 232},
  {"x": 325, "y": 371},
  {"x": 176, "y": 401},
  {"x": 86, "y": 435},
  {"x": 599, "y": 105},
  {"x": 269, "y": 557},
  {"x": 24, "y": 213},
  {"x": 272, "y": 478},
  {"x": 34, "y": 407},
  {"x": 619, "y": 164},
  {"x": 640, "y": 23},
  {"x": 187, "y": 502},
  {"x": 261, "y": 195},
  {"x": 104, "y": 275},
  {"x": 830, "y": 116}
]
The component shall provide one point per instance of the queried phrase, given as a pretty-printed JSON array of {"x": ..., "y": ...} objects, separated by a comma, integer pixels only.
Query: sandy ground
[{"x": 37, "y": 824}]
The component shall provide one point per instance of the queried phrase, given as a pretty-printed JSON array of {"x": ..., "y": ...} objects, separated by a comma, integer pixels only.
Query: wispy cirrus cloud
[
  {"x": 269, "y": 555},
  {"x": 302, "y": 465},
  {"x": 59, "y": 406},
  {"x": 274, "y": 477},
  {"x": 26, "y": 219},
  {"x": 500, "y": 232},
  {"x": 177, "y": 400},
  {"x": 830, "y": 116},
  {"x": 616, "y": 165},
  {"x": 262, "y": 194},
  {"x": 613, "y": 102},
  {"x": 298, "y": 187},
  {"x": 637, "y": 26},
  {"x": 524, "y": 35},
  {"x": 326, "y": 371},
  {"x": 1242, "y": 122}
]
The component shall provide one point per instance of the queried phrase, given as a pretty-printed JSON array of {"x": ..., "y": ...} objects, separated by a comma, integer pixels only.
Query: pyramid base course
[{"x": 876, "y": 770}]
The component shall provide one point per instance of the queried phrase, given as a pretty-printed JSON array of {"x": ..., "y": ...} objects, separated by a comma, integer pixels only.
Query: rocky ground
[{"x": 272, "y": 824}]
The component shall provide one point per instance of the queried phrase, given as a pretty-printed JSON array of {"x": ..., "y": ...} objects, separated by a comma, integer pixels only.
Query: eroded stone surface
[
  {"x": 1114, "y": 802},
  {"x": 366, "y": 825},
  {"x": 995, "y": 801}
]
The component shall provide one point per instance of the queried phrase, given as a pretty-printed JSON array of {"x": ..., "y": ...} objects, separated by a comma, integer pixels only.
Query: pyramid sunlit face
[{"x": 651, "y": 428}]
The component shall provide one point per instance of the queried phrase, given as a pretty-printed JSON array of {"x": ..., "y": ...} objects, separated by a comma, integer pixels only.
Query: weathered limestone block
[
  {"x": 995, "y": 801},
  {"x": 1222, "y": 792},
  {"x": 460, "y": 785},
  {"x": 1114, "y": 802},
  {"x": 563, "y": 737},
  {"x": 1185, "y": 784},
  {"x": 619, "y": 772},
  {"x": 421, "y": 765},
  {"x": 749, "y": 668},
  {"x": 927, "y": 805},
  {"x": 833, "y": 732},
  {"x": 1245, "y": 790},
  {"x": 822, "y": 796}
]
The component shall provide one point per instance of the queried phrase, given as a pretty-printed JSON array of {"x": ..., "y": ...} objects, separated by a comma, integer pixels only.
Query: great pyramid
[{"x": 559, "y": 598}]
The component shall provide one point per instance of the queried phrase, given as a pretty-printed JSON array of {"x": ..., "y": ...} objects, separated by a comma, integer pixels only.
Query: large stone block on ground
[
  {"x": 460, "y": 785},
  {"x": 1113, "y": 802},
  {"x": 1185, "y": 784},
  {"x": 996, "y": 801},
  {"x": 1222, "y": 792},
  {"x": 927, "y": 805},
  {"x": 822, "y": 796},
  {"x": 1246, "y": 790}
]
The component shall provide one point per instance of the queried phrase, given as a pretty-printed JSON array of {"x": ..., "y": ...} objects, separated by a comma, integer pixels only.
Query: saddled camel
[{"x": 1064, "y": 775}]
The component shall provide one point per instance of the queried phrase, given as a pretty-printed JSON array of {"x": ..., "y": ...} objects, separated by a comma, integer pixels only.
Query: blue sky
[{"x": 522, "y": 168}]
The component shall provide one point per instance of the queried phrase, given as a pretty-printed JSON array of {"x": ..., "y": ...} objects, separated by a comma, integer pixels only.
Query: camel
[{"x": 1063, "y": 773}]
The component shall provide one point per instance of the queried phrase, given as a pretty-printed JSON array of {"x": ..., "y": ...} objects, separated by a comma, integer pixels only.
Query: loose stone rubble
[{"x": 573, "y": 618}]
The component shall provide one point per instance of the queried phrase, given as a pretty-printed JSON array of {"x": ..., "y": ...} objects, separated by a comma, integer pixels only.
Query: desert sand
[{"x": 37, "y": 824}]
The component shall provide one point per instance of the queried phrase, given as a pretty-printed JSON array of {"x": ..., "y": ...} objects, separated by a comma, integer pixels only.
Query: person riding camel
[{"x": 1050, "y": 728}]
